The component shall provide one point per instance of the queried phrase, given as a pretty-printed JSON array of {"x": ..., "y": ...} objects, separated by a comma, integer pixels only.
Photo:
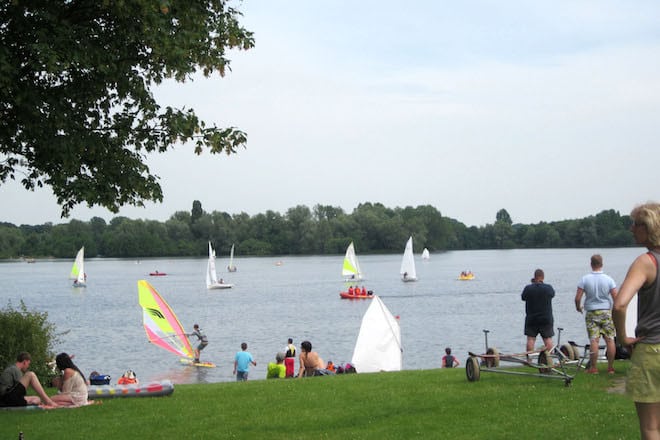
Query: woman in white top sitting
[{"x": 73, "y": 386}]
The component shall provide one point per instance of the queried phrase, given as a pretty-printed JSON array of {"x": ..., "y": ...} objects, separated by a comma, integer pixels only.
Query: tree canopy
[{"x": 77, "y": 111}]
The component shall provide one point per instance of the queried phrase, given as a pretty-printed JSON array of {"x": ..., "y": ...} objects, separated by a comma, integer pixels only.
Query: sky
[{"x": 548, "y": 109}]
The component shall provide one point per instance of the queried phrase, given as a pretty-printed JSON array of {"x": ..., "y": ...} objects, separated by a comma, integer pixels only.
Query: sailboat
[
  {"x": 163, "y": 327},
  {"x": 408, "y": 272},
  {"x": 425, "y": 254},
  {"x": 78, "y": 274},
  {"x": 211, "y": 276},
  {"x": 231, "y": 267},
  {"x": 351, "y": 268},
  {"x": 378, "y": 346}
]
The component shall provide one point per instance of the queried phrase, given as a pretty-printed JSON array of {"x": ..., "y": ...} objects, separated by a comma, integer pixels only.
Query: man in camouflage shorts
[{"x": 599, "y": 290}]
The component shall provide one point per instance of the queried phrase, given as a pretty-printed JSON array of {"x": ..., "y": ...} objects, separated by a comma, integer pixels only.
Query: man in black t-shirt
[{"x": 538, "y": 311}]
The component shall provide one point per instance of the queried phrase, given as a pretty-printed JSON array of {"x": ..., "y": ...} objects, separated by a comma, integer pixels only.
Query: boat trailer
[{"x": 550, "y": 364}]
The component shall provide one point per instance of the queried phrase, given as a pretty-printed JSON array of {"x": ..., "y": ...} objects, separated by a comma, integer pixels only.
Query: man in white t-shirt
[{"x": 599, "y": 291}]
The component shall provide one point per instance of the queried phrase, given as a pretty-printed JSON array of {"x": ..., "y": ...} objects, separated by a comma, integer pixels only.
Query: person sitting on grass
[
  {"x": 16, "y": 379},
  {"x": 311, "y": 363},
  {"x": 448, "y": 360},
  {"x": 73, "y": 385}
]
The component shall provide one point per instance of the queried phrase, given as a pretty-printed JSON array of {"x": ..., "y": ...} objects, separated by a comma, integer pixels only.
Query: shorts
[
  {"x": 15, "y": 396},
  {"x": 241, "y": 376},
  {"x": 599, "y": 322},
  {"x": 201, "y": 346},
  {"x": 545, "y": 330},
  {"x": 643, "y": 384},
  {"x": 289, "y": 365}
]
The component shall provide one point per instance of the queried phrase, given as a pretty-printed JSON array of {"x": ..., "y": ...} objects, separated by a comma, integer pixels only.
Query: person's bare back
[{"x": 310, "y": 361}]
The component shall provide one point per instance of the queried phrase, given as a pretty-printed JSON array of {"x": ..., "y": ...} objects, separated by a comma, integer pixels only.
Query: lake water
[{"x": 299, "y": 299}]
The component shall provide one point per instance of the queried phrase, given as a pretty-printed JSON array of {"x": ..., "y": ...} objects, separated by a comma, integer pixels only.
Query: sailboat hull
[{"x": 219, "y": 286}]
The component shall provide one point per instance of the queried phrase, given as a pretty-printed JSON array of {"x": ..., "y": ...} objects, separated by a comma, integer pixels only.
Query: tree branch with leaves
[{"x": 77, "y": 112}]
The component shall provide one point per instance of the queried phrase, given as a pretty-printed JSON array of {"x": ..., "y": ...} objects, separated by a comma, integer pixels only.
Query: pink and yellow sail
[{"x": 161, "y": 324}]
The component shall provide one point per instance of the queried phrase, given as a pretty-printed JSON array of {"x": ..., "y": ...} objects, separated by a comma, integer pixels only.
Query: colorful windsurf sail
[{"x": 161, "y": 324}]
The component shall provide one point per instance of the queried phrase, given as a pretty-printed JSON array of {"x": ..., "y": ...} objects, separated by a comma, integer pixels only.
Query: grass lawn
[{"x": 408, "y": 404}]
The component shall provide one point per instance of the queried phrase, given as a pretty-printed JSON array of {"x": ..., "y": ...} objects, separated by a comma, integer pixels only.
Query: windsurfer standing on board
[{"x": 203, "y": 341}]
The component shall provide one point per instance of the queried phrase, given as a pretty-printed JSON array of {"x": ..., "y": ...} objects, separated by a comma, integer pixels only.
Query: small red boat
[
  {"x": 157, "y": 274},
  {"x": 347, "y": 295}
]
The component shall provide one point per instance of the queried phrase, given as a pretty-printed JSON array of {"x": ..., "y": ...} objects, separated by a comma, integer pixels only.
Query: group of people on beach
[{"x": 310, "y": 363}]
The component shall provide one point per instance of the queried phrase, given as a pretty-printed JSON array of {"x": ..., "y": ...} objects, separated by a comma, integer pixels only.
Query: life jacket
[
  {"x": 449, "y": 361},
  {"x": 125, "y": 381},
  {"x": 127, "y": 378},
  {"x": 290, "y": 351}
]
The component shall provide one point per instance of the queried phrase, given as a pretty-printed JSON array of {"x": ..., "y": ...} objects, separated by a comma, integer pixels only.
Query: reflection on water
[{"x": 102, "y": 324}]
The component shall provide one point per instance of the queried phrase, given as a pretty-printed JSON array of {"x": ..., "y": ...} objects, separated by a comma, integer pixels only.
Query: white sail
[
  {"x": 78, "y": 269},
  {"x": 378, "y": 346},
  {"x": 231, "y": 267},
  {"x": 351, "y": 268},
  {"x": 425, "y": 254},
  {"x": 211, "y": 275},
  {"x": 408, "y": 272}
]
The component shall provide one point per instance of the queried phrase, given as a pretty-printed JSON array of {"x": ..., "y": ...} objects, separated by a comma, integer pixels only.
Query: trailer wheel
[
  {"x": 493, "y": 361},
  {"x": 472, "y": 369},
  {"x": 545, "y": 359},
  {"x": 567, "y": 350}
]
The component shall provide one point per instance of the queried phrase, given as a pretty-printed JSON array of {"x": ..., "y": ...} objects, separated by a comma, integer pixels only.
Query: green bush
[{"x": 24, "y": 330}]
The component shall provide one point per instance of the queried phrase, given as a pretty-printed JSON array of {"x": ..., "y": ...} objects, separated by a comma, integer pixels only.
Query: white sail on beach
[
  {"x": 78, "y": 269},
  {"x": 408, "y": 272},
  {"x": 351, "y": 268},
  {"x": 378, "y": 346},
  {"x": 211, "y": 275}
]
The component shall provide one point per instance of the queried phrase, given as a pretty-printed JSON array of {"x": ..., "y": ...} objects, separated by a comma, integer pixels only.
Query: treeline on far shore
[{"x": 323, "y": 230}]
